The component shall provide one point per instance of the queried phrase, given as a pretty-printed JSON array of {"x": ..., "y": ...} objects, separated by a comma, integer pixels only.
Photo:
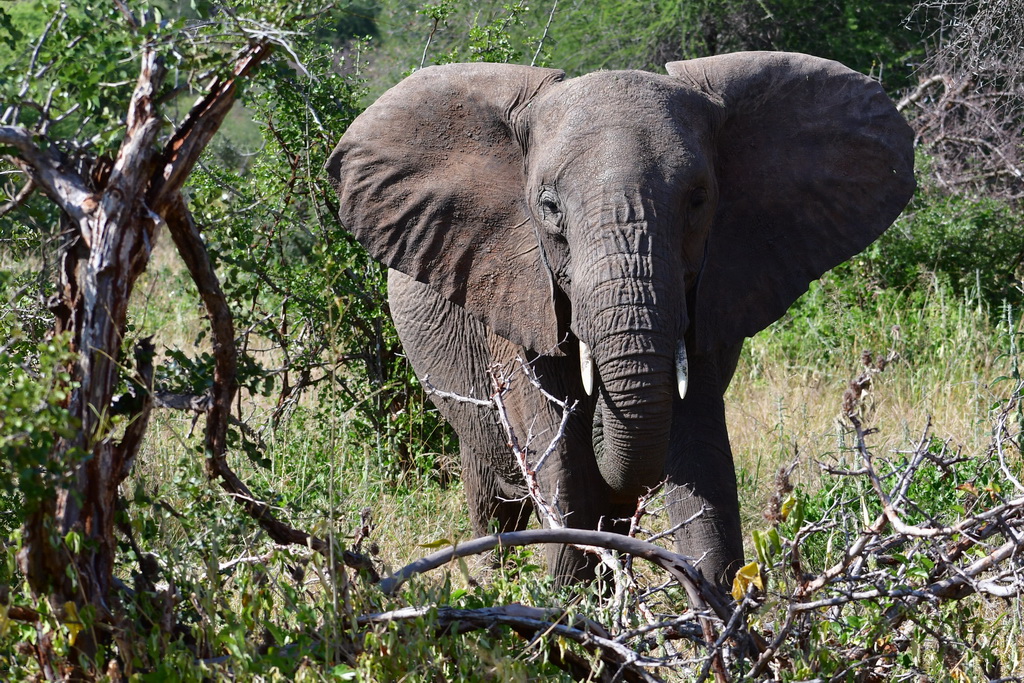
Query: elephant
[{"x": 621, "y": 233}]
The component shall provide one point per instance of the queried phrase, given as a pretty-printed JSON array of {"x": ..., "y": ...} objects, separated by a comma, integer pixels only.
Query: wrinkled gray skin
[{"x": 523, "y": 213}]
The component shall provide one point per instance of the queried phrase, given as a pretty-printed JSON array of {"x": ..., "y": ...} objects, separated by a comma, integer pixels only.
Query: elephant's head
[{"x": 638, "y": 213}]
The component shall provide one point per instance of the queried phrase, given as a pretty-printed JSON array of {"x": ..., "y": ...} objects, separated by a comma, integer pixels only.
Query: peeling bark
[{"x": 109, "y": 222}]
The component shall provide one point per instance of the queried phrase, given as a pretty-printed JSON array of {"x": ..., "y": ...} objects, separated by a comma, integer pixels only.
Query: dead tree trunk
[{"x": 110, "y": 218}]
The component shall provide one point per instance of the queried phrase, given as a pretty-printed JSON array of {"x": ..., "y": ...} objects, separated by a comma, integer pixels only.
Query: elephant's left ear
[{"x": 813, "y": 163}]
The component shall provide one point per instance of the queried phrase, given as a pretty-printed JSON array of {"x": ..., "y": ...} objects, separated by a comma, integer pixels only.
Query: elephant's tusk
[
  {"x": 587, "y": 368},
  {"x": 682, "y": 369}
]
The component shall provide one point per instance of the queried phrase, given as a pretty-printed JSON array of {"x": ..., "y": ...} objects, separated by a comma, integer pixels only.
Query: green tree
[
  {"x": 879, "y": 38},
  {"x": 91, "y": 172}
]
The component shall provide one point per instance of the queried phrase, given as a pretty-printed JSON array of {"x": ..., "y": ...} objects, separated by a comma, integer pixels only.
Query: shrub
[{"x": 974, "y": 244}]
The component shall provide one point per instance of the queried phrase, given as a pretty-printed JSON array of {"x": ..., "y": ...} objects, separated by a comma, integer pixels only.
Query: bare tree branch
[
  {"x": 182, "y": 151},
  {"x": 532, "y": 622},
  {"x": 544, "y": 36},
  {"x": 20, "y": 198},
  {"x": 972, "y": 126},
  {"x": 45, "y": 169}
]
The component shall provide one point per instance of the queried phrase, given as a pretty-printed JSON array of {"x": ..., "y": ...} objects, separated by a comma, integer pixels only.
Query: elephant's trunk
[
  {"x": 629, "y": 306},
  {"x": 634, "y": 340},
  {"x": 636, "y": 415}
]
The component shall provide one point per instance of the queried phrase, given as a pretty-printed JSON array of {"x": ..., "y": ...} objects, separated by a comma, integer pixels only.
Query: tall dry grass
[{"x": 786, "y": 397}]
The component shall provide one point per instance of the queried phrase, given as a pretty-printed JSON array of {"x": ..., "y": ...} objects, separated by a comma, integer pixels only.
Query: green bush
[
  {"x": 903, "y": 631},
  {"x": 974, "y": 244},
  {"x": 34, "y": 386}
]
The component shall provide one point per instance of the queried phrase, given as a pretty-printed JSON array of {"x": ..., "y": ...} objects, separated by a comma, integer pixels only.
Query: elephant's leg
[
  {"x": 489, "y": 507},
  {"x": 700, "y": 471},
  {"x": 456, "y": 353},
  {"x": 452, "y": 350},
  {"x": 569, "y": 564}
]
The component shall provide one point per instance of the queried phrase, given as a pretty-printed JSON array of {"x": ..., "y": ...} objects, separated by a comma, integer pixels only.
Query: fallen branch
[
  {"x": 530, "y": 623},
  {"x": 677, "y": 565}
]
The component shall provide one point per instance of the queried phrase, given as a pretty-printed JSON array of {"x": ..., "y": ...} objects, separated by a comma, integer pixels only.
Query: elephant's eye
[
  {"x": 698, "y": 198},
  {"x": 547, "y": 205}
]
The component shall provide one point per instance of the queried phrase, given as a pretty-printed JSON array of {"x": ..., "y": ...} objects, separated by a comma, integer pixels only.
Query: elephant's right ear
[{"x": 431, "y": 181}]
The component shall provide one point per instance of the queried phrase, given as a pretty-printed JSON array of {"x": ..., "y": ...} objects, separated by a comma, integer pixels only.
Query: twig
[
  {"x": 918, "y": 92},
  {"x": 23, "y": 194},
  {"x": 540, "y": 43},
  {"x": 451, "y": 396},
  {"x": 1001, "y": 433},
  {"x": 11, "y": 113},
  {"x": 430, "y": 37}
]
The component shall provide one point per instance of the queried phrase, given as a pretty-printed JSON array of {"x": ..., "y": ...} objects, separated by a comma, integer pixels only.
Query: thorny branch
[{"x": 976, "y": 554}]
